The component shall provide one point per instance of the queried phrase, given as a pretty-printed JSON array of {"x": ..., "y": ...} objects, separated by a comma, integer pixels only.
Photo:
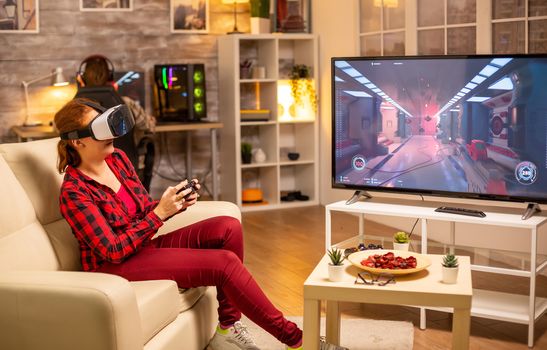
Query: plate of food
[{"x": 395, "y": 262}]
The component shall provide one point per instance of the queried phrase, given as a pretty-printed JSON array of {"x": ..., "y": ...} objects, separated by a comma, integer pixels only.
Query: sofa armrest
[
  {"x": 200, "y": 211},
  {"x": 67, "y": 310}
]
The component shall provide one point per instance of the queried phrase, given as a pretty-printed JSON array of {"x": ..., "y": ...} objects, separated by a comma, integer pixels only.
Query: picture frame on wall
[
  {"x": 189, "y": 16},
  {"x": 19, "y": 16},
  {"x": 106, "y": 5},
  {"x": 292, "y": 16}
]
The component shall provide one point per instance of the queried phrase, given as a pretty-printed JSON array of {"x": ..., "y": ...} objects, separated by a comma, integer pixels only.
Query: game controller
[{"x": 191, "y": 184}]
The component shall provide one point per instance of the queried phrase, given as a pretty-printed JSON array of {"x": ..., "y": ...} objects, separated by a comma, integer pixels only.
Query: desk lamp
[
  {"x": 10, "y": 6},
  {"x": 57, "y": 79},
  {"x": 235, "y": 2}
]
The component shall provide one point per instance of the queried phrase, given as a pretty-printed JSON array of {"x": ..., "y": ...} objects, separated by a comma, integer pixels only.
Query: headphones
[{"x": 83, "y": 65}]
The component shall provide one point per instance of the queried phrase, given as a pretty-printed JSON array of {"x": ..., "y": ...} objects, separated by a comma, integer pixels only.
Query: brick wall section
[{"x": 133, "y": 40}]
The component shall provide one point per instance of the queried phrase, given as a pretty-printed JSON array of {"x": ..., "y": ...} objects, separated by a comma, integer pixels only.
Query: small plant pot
[
  {"x": 450, "y": 275},
  {"x": 260, "y": 25},
  {"x": 336, "y": 272},
  {"x": 401, "y": 246},
  {"x": 246, "y": 158}
]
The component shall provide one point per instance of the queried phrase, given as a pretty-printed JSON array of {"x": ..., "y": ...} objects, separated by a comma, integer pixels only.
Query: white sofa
[{"x": 47, "y": 302}]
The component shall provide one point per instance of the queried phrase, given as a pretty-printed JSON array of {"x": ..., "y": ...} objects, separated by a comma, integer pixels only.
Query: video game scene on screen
[{"x": 457, "y": 125}]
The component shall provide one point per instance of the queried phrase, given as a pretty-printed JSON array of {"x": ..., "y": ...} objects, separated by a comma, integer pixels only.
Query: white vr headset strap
[{"x": 99, "y": 126}]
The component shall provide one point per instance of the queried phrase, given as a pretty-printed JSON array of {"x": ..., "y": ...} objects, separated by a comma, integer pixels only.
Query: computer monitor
[{"x": 131, "y": 84}]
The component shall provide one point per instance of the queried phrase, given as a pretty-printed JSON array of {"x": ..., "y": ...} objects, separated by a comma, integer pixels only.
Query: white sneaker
[
  {"x": 323, "y": 345},
  {"x": 234, "y": 338}
]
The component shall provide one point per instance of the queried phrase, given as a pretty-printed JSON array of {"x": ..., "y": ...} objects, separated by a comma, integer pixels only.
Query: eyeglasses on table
[{"x": 381, "y": 279}]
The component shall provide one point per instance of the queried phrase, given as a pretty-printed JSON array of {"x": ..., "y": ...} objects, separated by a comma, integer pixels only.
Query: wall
[{"x": 133, "y": 40}]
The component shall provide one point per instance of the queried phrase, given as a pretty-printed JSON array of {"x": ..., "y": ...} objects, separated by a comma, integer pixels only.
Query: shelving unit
[
  {"x": 523, "y": 309},
  {"x": 290, "y": 127}
]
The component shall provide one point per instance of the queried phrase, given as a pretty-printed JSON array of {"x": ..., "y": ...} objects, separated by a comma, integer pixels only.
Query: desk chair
[{"x": 141, "y": 155}]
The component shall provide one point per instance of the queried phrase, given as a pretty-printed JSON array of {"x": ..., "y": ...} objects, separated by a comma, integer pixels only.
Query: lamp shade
[
  {"x": 58, "y": 78},
  {"x": 10, "y": 6}
]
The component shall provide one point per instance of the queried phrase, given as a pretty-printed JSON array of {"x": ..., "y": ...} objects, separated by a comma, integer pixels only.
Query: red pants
[{"x": 209, "y": 253}]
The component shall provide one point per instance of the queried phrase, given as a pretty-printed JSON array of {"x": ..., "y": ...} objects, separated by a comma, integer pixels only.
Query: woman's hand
[{"x": 172, "y": 203}]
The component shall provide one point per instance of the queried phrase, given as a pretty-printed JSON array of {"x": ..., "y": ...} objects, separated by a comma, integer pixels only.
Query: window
[
  {"x": 452, "y": 27},
  {"x": 446, "y": 27},
  {"x": 519, "y": 26},
  {"x": 382, "y": 27}
]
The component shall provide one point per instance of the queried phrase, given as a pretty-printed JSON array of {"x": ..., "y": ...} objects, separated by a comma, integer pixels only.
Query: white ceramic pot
[
  {"x": 336, "y": 272},
  {"x": 260, "y": 25},
  {"x": 259, "y": 156},
  {"x": 401, "y": 246},
  {"x": 450, "y": 275}
]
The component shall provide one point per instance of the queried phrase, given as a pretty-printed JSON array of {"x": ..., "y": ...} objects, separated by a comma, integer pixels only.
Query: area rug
[{"x": 356, "y": 334}]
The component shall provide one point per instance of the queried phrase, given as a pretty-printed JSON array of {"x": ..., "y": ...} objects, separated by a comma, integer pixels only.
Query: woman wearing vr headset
[{"x": 114, "y": 218}]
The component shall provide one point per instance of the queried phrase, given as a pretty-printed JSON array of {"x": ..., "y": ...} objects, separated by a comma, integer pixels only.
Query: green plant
[
  {"x": 450, "y": 260},
  {"x": 336, "y": 256},
  {"x": 246, "y": 148},
  {"x": 302, "y": 85},
  {"x": 401, "y": 237},
  {"x": 260, "y": 8}
]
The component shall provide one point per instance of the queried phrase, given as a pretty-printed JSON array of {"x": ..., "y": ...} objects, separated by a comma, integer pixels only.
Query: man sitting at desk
[{"x": 95, "y": 79}]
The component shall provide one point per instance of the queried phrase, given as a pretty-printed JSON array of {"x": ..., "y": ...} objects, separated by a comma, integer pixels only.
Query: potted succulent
[
  {"x": 260, "y": 16},
  {"x": 246, "y": 152},
  {"x": 401, "y": 241},
  {"x": 450, "y": 268},
  {"x": 336, "y": 264}
]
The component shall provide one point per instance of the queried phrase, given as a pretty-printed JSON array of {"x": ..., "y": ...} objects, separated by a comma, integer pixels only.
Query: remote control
[
  {"x": 461, "y": 211},
  {"x": 191, "y": 184}
]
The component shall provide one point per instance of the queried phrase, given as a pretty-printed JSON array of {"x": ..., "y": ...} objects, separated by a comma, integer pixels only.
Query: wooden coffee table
[{"x": 423, "y": 288}]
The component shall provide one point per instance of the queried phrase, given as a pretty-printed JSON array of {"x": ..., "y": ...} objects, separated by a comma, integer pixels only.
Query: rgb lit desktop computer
[{"x": 179, "y": 92}]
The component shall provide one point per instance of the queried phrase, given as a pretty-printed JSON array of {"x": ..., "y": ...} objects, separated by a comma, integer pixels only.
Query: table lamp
[
  {"x": 57, "y": 79},
  {"x": 10, "y": 7},
  {"x": 235, "y": 2}
]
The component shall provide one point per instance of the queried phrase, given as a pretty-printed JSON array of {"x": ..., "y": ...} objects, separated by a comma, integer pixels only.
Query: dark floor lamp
[{"x": 235, "y": 2}]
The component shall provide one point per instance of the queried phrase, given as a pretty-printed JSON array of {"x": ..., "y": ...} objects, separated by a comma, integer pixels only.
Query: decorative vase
[
  {"x": 450, "y": 275},
  {"x": 336, "y": 272},
  {"x": 259, "y": 156},
  {"x": 260, "y": 25},
  {"x": 401, "y": 246}
]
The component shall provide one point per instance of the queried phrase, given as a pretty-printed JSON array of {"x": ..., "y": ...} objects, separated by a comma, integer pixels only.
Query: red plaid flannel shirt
[{"x": 98, "y": 218}]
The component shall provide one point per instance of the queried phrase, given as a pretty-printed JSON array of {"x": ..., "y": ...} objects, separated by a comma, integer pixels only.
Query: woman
[{"x": 114, "y": 220}]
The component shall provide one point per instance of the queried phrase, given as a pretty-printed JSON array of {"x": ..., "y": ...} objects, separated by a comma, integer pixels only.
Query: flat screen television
[{"x": 456, "y": 126}]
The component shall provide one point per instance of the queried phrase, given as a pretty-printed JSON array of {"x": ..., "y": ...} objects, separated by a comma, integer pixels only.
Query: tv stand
[
  {"x": 492, "y": 304},
  {"x": 531, "y": 209},
  {"x": 357, "y": 195}
]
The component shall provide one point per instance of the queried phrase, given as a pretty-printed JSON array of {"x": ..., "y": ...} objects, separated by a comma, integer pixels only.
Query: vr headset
[{"x": 109, "y": 124}]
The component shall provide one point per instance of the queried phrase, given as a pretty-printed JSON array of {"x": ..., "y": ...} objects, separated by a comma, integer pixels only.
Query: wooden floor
[{"x": 282, "y": 247}]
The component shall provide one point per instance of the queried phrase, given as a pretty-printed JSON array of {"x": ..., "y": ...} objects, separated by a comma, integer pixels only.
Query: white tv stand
[{"x": 488, "y": 304}]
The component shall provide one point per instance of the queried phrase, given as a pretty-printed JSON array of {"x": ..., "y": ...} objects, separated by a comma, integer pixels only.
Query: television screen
[
  {"x": 466, "y": 126},
  {"x": 131, "y": 84}
]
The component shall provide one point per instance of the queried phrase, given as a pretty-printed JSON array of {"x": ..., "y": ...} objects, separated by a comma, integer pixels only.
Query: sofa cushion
[
  {"x": 160, "y": 302},
  {"x": 23, "y": 242},
  {"x": 35, "y": 166}
]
